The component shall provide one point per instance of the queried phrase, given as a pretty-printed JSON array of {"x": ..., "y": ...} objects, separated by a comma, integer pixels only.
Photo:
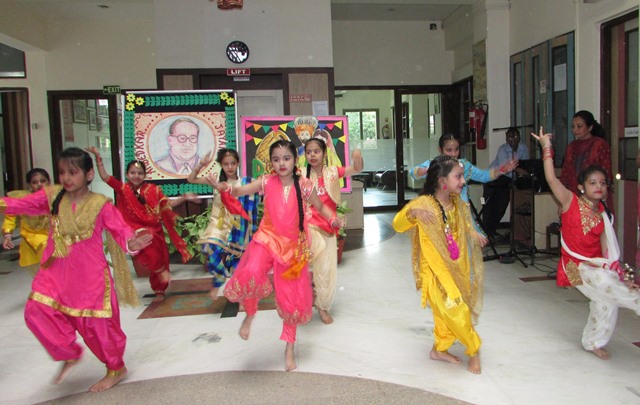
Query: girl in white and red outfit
[
  {"x": 281, "y": 243},
  {"x": 73, "y": 291},
  {"x": 326, "y": 179}
]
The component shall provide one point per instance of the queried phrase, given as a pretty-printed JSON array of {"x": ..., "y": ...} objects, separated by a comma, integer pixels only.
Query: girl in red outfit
[
  {"x": 144, "y": 205},
  {"x": 590, "y": 252}
]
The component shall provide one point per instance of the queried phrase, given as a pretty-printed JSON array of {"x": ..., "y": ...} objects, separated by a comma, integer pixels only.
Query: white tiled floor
[{"x": 531, "y": 351}]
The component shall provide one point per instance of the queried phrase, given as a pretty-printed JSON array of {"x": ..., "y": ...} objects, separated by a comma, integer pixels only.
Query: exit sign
[{"x": 110, "y": 89}]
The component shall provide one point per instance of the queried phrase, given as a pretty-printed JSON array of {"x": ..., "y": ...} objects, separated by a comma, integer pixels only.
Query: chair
[{"x": 387, "y": 179}]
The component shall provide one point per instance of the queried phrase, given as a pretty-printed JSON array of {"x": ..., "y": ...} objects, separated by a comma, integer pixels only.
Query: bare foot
[
  {"x": 325, "y": 316},
  {"x": 474, "y": 364},
  {"x": 444, "y": 356},
  {"x": 66, "y": 368},
  {"x": 109, "y": 380},
  {"x": 159, "y": 297},
  {"x": 601, "y": 353},
  {"x": 213, "y": 293},
  {"x": 289, "y": 358},
  {"x": 245, "y": 329}
]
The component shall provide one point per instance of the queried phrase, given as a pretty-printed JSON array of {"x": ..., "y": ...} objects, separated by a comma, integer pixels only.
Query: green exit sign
[{"x": 110, "y": 89}]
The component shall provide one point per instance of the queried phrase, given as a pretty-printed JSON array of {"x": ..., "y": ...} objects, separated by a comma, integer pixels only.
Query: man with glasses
[{"x": 183, "y": 148}]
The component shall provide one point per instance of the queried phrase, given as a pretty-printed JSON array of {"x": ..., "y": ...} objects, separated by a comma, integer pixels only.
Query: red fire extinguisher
[{"x": 477, "y": 124}]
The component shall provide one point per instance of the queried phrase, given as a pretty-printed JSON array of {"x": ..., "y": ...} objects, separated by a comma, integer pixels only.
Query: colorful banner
[
  {"x": 172, "y": 131},
  {"x": 258, "y": 133}
]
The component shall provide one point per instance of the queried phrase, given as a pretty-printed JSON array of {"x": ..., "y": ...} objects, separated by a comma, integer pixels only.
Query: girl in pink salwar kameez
[
  {"x": 281, "y": 243},
  {"x": 73, "y": 291}
]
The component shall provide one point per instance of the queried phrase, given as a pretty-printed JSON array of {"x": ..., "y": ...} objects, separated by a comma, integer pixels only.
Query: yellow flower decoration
[
  {"x": 131, "y": 97},
  {"x": 129, "y": 106},
  {"x": 139, "y": 101},
  {"x": 224, "y": 95},
  {"x": 230, "y": 101}
]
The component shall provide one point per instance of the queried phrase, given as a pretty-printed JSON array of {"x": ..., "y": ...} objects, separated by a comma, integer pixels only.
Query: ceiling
[{"x": 346, "y": 10}]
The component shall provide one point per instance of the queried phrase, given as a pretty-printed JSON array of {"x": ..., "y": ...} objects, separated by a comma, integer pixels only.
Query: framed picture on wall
[
  {"x": 172, "y": 131},
  {"x": 80, "y": 111},
  {"x": 93, "y": 119}
]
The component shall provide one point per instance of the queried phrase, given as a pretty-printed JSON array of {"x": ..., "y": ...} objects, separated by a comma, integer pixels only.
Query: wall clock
[{"x": 237, "y": 52}]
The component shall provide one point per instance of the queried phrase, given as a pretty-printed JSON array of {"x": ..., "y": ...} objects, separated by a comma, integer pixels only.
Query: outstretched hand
[
  {"x": 206, "y": 159},
  {"x": 8, "y": 243},
  {"x": 481, "y": 239},
  {"x": 93, "y": 150},
  {"x": 544, "y": 139},
  {"x": 424, "y": 216},
  {"x": 509, "y": 166},
  {"x": 190, "y": 197},
  {"x": 357, "y": 160},
  {"x": 141, "y": 240}
]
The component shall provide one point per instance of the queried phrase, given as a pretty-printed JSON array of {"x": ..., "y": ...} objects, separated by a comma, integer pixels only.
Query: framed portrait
[
  {"x": 258, "y": 133},
  {"x": 171, "y": 132},
  {"x": 92, "y": 116},
  {"x": 80, "y": 111}
]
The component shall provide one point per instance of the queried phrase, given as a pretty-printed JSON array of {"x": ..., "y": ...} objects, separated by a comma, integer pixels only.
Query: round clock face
[{"x": 237, "y": 52}]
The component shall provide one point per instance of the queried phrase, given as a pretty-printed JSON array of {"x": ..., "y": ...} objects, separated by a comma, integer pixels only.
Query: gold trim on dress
[{"x": 75, "y": 312}]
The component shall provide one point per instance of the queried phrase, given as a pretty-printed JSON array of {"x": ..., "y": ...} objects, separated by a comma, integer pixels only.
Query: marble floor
[{"x": 531, "y": 330}]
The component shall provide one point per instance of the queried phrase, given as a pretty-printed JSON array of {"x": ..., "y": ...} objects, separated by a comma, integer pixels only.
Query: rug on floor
[{"x": 191, "y": 297}]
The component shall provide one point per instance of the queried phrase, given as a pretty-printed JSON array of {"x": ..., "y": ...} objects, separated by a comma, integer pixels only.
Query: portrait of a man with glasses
[{"x": 182, "y": 155}]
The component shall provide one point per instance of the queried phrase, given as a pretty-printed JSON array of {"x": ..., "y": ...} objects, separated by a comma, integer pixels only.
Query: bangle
[{"x": 547, "y": 152}]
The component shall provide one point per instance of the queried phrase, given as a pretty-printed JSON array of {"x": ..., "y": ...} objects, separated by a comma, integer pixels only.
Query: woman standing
[{"x": 589, "y": 148}]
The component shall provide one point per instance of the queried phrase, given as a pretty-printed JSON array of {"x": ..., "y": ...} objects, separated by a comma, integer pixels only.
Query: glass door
[{"x": 87, "y": 119}]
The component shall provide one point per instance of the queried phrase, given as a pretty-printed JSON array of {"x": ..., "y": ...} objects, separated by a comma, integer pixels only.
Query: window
[
  {"x": 11, "y": 62},
  {"x": 363, "y": 128}
]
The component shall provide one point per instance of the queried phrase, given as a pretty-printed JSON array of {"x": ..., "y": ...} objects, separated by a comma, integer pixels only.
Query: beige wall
[
  {"x": 390, "y": 53},
  {"x": 279, "y": 33}
]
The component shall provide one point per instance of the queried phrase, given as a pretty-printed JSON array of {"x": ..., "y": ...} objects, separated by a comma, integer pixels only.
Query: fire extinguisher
[{"x": 477, "y": 124}]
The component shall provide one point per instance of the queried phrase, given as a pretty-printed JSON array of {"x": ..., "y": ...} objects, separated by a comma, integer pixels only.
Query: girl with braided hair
[
  {"x": 144, "y": 205},
  {"x": 326, "y": 180},
  {"x": 281, "y": 243},
  {"x": 227, "y": 235},
  {"x": 74, "y": 290},
  {"x": 449, "y": 278}
]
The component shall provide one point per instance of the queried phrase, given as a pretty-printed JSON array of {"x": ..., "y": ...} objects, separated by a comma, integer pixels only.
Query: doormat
[{"x": 191, "y": 297}]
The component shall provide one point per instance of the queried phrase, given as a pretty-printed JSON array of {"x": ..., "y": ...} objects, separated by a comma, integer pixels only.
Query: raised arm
[
  {"x": 357, "y": 164},
  {"x": 251, "y": 188},
  {"x": 204, "y": 162},
  {"x": 557, "y": 188},
  {"x": 101, "y": 170}
]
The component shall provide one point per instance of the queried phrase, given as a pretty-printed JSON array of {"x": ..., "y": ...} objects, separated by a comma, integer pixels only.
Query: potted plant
[
  {"x": 190, "y": 228},
  {"x": 342, "y": 210}
]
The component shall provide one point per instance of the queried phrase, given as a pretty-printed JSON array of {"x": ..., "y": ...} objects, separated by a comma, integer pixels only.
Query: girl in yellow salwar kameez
[
  {"x": 447, "y": 259},
  {"x": 34, "y": 230}
]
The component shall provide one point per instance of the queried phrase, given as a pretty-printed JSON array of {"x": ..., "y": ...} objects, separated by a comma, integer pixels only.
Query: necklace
[{"x": 452, "y": 246}]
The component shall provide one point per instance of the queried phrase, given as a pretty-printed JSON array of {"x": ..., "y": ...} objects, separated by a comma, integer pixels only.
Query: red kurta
[
  {"x": 152, "y": 215},
  {"x": 581, "y": 230}
]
